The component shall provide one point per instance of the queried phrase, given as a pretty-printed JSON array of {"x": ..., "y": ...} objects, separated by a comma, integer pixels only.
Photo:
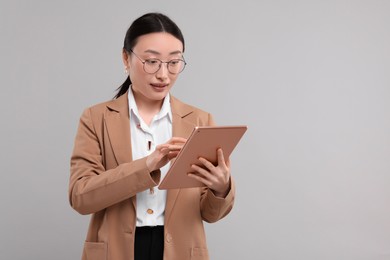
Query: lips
[{"x": 159, "y": 87}]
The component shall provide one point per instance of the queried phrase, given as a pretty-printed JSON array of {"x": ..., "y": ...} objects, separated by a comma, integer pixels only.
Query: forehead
[{"x": 161, "y": 42}]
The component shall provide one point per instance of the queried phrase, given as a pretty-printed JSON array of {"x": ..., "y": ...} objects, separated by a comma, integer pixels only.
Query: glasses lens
[
  {"x": 176, "y": 66},
  {"x": 152, "y": 65}
]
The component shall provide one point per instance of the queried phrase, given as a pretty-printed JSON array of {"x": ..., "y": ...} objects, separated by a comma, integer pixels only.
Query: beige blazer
[{"x": 104, "y": 181}]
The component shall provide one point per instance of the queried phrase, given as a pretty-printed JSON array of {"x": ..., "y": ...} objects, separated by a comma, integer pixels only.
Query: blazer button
[
  {"x": 150, "y": 211},
  {"x": 168, "y": 238}
]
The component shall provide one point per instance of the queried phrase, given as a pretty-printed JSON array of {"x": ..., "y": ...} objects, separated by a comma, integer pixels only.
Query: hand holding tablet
[{"x": 202, "y": 143}]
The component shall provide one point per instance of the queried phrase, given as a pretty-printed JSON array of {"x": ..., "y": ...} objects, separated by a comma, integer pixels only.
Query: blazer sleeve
[
  {"x": 215, "y": 208},
  {"x": 91, "y": 186}
]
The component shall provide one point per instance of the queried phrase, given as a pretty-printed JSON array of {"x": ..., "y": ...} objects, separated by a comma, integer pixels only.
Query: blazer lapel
[
  {"x": 117, "y": 122},
  {"x": 180, "y": 128}
]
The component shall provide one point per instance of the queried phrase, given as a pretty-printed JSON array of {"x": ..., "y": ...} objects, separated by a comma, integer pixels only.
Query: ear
[{"x": 125, "y": 57}]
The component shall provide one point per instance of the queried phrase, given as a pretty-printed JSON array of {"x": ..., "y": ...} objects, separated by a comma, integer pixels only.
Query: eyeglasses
[{"x": 151, "y": 66}]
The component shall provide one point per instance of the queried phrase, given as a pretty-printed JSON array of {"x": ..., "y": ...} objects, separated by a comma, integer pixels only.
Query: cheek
[
  {"x": 137, "y": 73},
  {"x": 137, "y": 67},
  {"x": 173, "y": 78}
]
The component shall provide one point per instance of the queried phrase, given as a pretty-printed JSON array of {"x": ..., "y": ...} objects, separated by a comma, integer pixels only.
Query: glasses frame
[{"x": 161, "y": 62}]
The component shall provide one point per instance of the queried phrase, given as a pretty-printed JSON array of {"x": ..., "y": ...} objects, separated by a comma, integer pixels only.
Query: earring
[{"x": 126, "y": 70}]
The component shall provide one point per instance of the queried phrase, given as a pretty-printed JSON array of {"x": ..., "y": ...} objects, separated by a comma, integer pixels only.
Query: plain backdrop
[{"x": 311, "y": 79}]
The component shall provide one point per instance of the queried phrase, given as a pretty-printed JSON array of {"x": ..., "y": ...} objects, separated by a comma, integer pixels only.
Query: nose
[{"x": 162, "y": 73}]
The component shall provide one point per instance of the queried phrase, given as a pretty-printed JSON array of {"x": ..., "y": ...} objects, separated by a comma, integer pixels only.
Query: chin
[{"x": 159, "y": 96}]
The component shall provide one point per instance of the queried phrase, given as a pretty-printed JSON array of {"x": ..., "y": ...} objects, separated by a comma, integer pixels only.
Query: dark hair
[{"x": 147, "y": 23}]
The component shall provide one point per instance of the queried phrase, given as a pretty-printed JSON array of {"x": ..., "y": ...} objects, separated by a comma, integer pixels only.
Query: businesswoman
[{"x": 122, "y": 150}]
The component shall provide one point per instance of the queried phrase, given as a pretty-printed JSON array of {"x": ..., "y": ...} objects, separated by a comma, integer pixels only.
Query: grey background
[{"x": 309, "y": 78}]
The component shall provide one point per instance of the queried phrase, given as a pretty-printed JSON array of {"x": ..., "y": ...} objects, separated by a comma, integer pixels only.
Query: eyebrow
[{"x": 157, "y": 53}]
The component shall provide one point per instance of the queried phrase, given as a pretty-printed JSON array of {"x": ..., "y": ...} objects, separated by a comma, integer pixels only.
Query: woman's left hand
[{"x": 217, "y": 178}]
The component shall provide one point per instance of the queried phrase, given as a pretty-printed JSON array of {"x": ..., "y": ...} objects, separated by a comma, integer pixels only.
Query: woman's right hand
[{"x": 164, "y": 153}]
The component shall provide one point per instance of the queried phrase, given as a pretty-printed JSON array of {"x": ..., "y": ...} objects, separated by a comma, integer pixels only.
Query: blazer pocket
[
  {"x": 199, "y": 253},
  {"x": 95, "y": 251}
]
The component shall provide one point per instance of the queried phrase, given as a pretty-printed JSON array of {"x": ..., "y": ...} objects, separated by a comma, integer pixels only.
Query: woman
[{"x": 122, "y": 150}]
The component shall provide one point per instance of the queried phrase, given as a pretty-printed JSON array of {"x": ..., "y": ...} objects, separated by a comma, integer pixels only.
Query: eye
[
  {"x": 174, "y": 62},
  {"x": 152, "y": 62}
]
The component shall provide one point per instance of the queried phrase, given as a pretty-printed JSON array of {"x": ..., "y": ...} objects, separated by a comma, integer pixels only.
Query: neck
[
  {"x": 147, "y": 104},
  {"x": 147, "y": 108}
]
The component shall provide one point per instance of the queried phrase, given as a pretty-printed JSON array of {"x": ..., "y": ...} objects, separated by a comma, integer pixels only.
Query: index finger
[
  {"x": 173, "y": 147},
  {"x": 174, "y": 140},
  {"x": 221, "y": 157}
]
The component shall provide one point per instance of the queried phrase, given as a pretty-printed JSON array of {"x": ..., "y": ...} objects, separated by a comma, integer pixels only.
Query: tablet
[{"x": 204, "y": 141}]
